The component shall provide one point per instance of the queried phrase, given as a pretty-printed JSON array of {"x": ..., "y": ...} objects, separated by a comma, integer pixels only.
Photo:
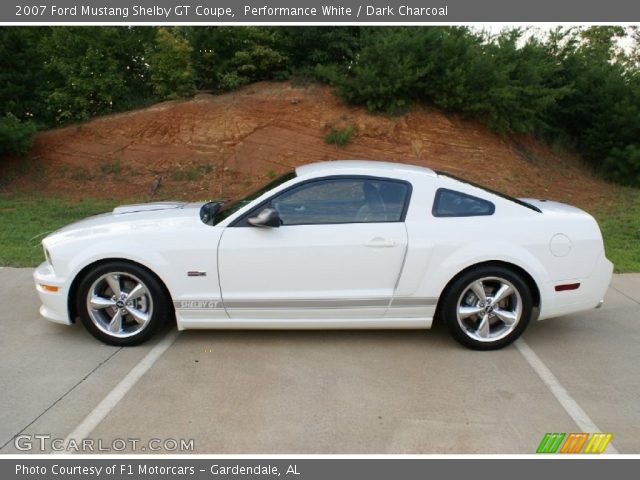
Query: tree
[
  {"x": 15, "y": 136},
  {"x": 602, "y": 109},
  {"x": 257, "y": 55},
  {"x": 169, "y": 59},
  {"x": 91, "y": 70},
  {"x": 225, "y": 58},
  {"x": 509, "y": 84},
  {"x": 389, "y": 70},
  {"x": 20, "y": 78},
  {"x": 307, "y": 47},
  {"x": 205, "y": 44},
  {"x": 21, "y": 73}
]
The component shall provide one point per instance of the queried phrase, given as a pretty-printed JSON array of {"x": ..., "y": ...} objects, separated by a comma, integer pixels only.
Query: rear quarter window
[{"x": 451, "y": 203}]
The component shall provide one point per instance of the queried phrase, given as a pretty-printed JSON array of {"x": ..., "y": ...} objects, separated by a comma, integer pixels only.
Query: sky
[{"x": 540, "y": 29}]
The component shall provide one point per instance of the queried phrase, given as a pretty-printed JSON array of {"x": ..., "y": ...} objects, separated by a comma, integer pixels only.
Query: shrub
[
  {"x": 341, "y": 136},
  {"x": 623, "y": 165},
  {"x": 390, "y": 67},
  {"x": 15, "y": 136}
]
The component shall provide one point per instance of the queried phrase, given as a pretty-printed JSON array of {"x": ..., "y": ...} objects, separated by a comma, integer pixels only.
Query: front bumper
[{"x": 54, "y": 304}]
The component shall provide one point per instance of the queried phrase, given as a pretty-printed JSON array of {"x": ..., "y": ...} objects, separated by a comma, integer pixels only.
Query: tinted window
[
  {"x": 499, "y": 194},
  {"x": 343, "y": 201},
  {"x": 449, "y": 203}
]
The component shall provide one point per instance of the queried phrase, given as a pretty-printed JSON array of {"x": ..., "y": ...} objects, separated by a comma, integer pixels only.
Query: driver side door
[{"x": 337, "y": 254}]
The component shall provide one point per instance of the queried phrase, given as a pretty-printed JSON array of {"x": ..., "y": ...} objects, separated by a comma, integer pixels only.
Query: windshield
[
  {"x": 499, "y": 194},
  {"x": 232, "y": 206}
]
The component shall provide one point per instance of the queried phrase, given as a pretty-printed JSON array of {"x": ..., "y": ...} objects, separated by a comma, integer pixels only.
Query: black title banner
[{"x": 316, "y": 11}]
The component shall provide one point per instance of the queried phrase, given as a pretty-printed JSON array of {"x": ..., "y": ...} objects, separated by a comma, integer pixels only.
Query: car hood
[
  {"x": 148, "y": 207},
  {"x": 128, "y": 218}
]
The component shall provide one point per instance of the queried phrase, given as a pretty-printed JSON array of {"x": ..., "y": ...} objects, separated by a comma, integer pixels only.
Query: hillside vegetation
[
  {"x": 218, "y": 146},
  {"x": 95, "y": 116},
  {"x": 573, "y": 86}
]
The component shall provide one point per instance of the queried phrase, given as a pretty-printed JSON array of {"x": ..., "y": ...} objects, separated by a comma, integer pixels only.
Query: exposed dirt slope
[{"x": 217, "y": 146}]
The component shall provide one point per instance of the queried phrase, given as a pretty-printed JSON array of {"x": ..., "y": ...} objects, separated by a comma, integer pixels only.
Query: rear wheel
[
  {"x": 487, "y": 308},
  {"x": 121, "y": 303}
]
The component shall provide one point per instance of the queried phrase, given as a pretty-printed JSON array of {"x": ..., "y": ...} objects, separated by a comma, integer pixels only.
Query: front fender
[{"x": 129, "y": 250}]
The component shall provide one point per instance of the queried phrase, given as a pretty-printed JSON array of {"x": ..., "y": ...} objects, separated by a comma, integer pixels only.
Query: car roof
[{"x": 360, "y": 167}]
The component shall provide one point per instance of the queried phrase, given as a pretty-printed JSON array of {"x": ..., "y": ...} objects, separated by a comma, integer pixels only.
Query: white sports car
[{"x": 342, "y": 244}]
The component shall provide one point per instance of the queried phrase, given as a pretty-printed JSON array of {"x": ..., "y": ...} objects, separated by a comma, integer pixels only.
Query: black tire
[
  {"x": 152, "y": 308},
  {"x": 467, "y": 330}
]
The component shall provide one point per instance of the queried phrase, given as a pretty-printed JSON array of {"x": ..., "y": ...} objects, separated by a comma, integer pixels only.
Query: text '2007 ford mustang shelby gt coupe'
[{"x": 342, "y": 244}]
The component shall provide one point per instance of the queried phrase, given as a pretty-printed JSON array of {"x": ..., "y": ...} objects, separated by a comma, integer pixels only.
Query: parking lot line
[
  {"x": 84, "y": 429},
  {"x": 624, "y": 294},
  {"x": 572, "y": 407},
  {"x": 61, "y": 398}
]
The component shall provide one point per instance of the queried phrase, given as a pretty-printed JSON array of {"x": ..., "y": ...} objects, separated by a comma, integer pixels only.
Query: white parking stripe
[
  {"x": 621, "y": 293},
  {"x": 575, "y": 411},
  {"x": 91, "y": 421}
]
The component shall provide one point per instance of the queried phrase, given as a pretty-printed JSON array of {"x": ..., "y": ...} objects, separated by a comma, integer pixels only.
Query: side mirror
[
  {"x": 208, "y": 211},
  {"x": 268, "y": 217}
]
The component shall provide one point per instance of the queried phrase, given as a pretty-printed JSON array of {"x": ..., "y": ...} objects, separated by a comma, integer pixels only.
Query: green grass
[
  {"x": 25, "y": 220},
  {"x": 620, "y": 225}
]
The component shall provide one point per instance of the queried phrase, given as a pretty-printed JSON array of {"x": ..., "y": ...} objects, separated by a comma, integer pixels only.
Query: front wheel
[
  {"x": 487, "y": 308},
  {"x": 121, "y": 303}
]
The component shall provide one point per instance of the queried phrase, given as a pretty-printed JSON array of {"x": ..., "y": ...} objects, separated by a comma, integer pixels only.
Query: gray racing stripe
[{"x": 270, "y": 304}]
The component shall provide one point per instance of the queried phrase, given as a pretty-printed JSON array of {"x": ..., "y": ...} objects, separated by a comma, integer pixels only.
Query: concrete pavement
[{"x": 322, "y": 392}]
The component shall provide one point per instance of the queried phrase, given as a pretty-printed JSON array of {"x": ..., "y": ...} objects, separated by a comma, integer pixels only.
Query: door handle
[{"x": 380, "y": 242}]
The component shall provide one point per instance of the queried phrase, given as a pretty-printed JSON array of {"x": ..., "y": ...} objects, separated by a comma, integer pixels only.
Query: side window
[
  {"x": 348, "y": 200},
  {"x": 449, "y": 203}
]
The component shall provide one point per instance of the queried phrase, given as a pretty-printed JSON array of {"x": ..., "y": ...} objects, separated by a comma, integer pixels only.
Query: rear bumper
[
  {"x": 54, "y": 304},
  {"x": 588, "y": 296}
]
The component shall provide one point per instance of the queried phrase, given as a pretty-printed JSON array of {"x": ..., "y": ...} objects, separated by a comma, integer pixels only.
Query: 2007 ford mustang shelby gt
[{"x": 342, "y": 244}]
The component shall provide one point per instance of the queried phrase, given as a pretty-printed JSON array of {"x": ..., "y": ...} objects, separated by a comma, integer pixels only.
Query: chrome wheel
[
  {"x": 489, "y": 309},
  {"x": 119, "y": 304}
]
